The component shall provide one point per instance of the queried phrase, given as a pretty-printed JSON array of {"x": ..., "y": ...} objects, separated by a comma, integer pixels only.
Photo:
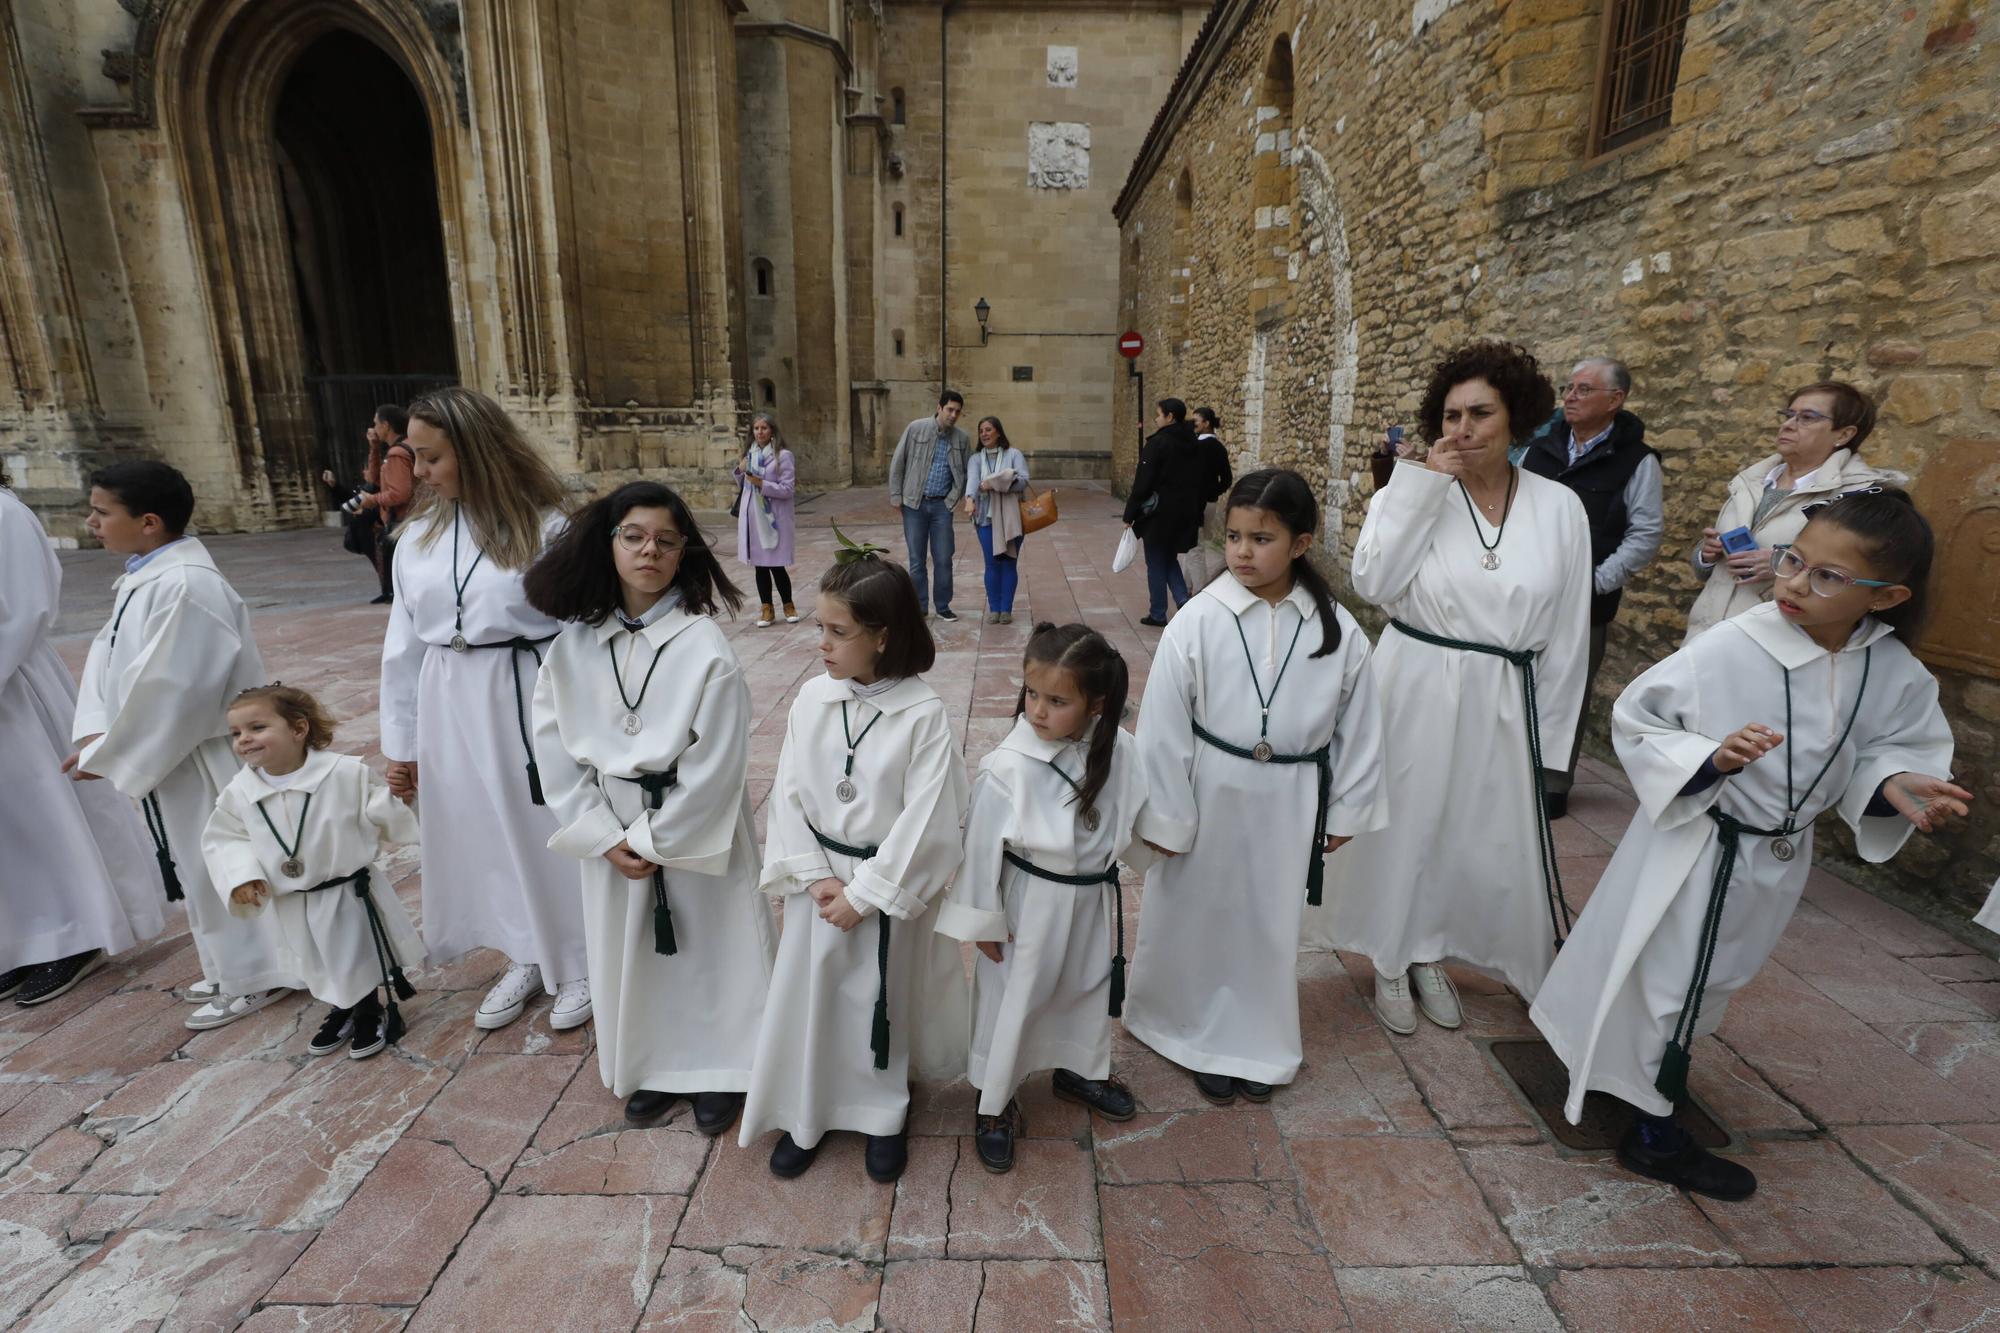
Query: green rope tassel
[
  {"x": 878, "y": 1037},
  {"x": 663, "y": 921},
  {"x": 393, "y": 1026},
  {"x": 1673, "y": 1080},
  {"x": 1118, "y": 985}
]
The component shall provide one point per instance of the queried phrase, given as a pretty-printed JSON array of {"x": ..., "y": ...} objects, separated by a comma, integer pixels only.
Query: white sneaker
[
  {"x": 221, "y": 1012},
  {"x": 1436, "y": 995},
  {"x": 572, "y": 1006},
  {"x": 201, "y": 992},
  {"x": 509, "y": 997},
  {"x": 1393, "y": 1004}
]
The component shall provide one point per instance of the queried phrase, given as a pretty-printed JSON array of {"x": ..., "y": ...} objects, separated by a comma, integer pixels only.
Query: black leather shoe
[
  {"x": 52, "y": 979},
  {"x": 995, "y": 1135},
  {"x": 1218, "y": 1088},
  {"x": 1152, "y": 623},
  {"x": 1253, "y": 1092},
  {"x": 1692, "y": 1168},
  {"x": 1556, "y": 803},
  {"x": 789, "y": 1161},
  {"x": 887, "y": 1155},
  {"x": 10, "y": 981},
  {"x": 384, "y": 600},
  {"x": 716, "y": 1111},
  {"x": 1106, "y": 1096},
  {"x": 645, "y": 1106}
]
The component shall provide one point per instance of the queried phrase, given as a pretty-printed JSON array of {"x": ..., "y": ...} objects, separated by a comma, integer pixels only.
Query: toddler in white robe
[
  {"x": 642, "y": 729},
  {"x": 296, "y": 837},
  {"x": 1055, "y": 808},
  {"x": 862, "y": 837},
  {"x": 1735, "y": 744},
  {"x": 150, "y": 717},
  {"x": 1261, "y": 684}
]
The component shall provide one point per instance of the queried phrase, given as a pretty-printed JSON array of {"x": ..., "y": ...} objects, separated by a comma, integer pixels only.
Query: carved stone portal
[{"x": 1959, "y": 492}]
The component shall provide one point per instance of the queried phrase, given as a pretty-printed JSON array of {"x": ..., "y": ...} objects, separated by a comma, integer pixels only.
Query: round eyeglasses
[
  {"x": 1825, "y": 581},
  {"x": 1805, "y": 416},
  {"x": 636, "y": 539}
]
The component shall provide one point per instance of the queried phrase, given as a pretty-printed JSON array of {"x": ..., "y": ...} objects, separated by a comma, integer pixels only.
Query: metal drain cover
[{"x": 1543, "y": 1083}]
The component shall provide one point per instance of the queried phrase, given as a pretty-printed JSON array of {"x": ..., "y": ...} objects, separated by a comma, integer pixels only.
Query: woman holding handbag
[
  {"x": 765, "y": 521},
  {"x": 995, "y": 477}
]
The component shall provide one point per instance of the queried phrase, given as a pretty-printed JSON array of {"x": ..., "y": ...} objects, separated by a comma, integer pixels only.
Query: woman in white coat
[
  {"x": 1484, "y": 570},
  {"x": 80, "y": 881},
  {"x": 301, "y": 829},
  {"x": 1263, "y": 749},
  {"x": 1807, "y": 704},
  {"x": 642, "y": 726},
  {"x": 1817, "y": 456},
  {"x": 458, "y": 671},
  {"x": 863, "y": 823}
]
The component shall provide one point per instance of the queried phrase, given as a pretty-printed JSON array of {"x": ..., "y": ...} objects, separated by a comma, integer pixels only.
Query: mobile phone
[
  {"x": 1737, "y": 539},
  {"x": 1395, "y": 435}
]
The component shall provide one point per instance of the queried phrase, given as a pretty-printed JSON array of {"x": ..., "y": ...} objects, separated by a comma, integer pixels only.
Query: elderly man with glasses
[{"x": 1599, "y": 451}]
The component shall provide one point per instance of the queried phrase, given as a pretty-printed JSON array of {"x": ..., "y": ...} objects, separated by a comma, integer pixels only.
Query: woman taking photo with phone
[{"x": 1820, "y": 430}]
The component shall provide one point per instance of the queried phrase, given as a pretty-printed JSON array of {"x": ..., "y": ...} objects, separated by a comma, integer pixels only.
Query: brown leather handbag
[{"x": 1038, "y": 510}]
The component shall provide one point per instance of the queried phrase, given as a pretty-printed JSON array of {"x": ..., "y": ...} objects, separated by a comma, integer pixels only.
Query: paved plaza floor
[{"x": 152, "y": 1177}]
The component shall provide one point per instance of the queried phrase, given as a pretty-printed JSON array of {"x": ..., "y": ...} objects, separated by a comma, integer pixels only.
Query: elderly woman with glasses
[{"x": 1820, "y": 431}]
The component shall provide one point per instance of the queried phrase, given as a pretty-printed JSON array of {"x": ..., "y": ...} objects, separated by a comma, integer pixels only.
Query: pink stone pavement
[{"x": 151, "y": 1177}]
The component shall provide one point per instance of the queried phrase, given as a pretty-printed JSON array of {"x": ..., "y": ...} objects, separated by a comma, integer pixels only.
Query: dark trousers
[
  {"x": 1560, "y": 781},
  {"x": 1163, "y": 576},
  {"x": 385, "y": 558},
  {"x": 768, "y": 574}
]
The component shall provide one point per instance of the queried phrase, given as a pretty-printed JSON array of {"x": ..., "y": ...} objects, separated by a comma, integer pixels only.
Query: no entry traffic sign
[{"x": 1130, "y": 344}]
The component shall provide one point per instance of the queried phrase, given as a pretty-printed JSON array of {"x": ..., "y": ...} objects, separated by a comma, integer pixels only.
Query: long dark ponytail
[
  {"x": 1100, "y": 672},
  {"x": 1900, "y": 544},
  {"x": 1285, "y": 496}
]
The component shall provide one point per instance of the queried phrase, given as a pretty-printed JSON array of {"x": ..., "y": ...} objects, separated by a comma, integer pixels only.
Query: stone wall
[{"x": 1299, "y": 250}]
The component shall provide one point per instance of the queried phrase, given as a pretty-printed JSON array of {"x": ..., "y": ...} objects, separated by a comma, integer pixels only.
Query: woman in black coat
[{"x": 1166, "y": 503}]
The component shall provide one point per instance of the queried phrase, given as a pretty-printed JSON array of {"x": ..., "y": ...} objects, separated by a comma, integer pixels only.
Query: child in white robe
[
  {"x": 642, "y": 728},
  {"x": 1055, "y": 808},
  {"x": 1261, "y": 685},
  {"x": 150, "y": 717},
  {"x": 863, "y": 823},
  {"x": 1735, "y": 744},
  {"x": 80, "y": 882},
  {"x": 296, "y": 837}
]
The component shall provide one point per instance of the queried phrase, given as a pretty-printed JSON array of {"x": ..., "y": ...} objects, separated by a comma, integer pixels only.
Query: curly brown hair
[
  {"x": 292, "y": 704},
  {"x": 1512, "y": 371}
]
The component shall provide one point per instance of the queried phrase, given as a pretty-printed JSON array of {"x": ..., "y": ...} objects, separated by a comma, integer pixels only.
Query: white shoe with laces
[
  {"x": 222, "y": 1011},
  {"x": 1436, "y": 995},
  {"x": 572, "y": 1006},
  {"x": 509, "y": 997},
  {"x": 1393, "y": 1004}
]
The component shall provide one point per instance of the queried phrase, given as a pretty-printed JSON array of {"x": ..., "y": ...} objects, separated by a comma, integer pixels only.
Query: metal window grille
[{"x": 1642, "y": 63}]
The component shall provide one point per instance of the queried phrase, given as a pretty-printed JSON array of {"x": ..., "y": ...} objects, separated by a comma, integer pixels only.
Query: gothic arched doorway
[{"x": 360, "y": 193}]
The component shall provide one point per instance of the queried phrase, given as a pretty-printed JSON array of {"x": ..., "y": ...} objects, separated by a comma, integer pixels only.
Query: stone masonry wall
[{"x": 1825, "y": 203}]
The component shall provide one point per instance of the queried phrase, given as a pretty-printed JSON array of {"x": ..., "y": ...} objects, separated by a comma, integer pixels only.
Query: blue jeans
[
  {"x": 1163, "y": 575},
  {"x": 927, "y": 532},
  {"x": 1003, "y": 572}
]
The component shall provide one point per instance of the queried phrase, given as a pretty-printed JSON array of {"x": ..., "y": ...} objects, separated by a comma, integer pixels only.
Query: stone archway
[{"x": 219, "y": 71}]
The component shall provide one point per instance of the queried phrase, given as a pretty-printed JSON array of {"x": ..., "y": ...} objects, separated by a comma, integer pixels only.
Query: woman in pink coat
[{"x": 765, "y": 523}]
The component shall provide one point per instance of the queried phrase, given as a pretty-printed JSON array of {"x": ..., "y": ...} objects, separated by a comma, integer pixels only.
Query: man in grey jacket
[{"x": 926, "y": 480}]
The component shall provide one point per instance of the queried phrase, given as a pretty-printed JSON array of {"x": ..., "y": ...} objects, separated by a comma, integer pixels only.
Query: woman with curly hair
[{"x": 1484, "y": 571}]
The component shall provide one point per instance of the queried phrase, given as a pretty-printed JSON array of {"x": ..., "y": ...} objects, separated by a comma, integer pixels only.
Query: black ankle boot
[
  {"x": 645, "y": 1106},
  {"x": 887, "y": 1155},
  {"x": 716, "y": 1111},
  {"x": 1253, "y": 1092},
  {"x": 994, "y": 1137},
  {"x": 1688, "y": 1166},
  {"x": 789, "y": 1161},
  {"x": 1106, "y": 1096},
  {"x": 1217, "y": 1088}
]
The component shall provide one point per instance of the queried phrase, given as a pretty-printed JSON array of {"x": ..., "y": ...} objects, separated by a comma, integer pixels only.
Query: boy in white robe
[
  {"x": 80, "y": 883},
  {"x": 1057, "y": 805},
  {"x": 863, "y": 823},
  {"x": 297, "y": 836},
  {"x": 1736, "y": 744},
  {"x": 642, "y": 727},
  {"x": 1260, "y": 685},
  {"x": 150, "y": 717}
]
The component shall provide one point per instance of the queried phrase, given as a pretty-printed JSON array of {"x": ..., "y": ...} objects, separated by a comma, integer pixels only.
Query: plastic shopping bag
[{"x": 1128, "y": 550}]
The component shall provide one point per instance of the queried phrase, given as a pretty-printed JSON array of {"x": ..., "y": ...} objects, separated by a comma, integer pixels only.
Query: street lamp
[{"x": 984, "y": 312}]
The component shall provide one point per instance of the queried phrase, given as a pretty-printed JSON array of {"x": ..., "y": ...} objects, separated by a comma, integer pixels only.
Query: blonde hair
[
  {"x": 292, "y": 705},
  {"x": 505, "y": 486}
]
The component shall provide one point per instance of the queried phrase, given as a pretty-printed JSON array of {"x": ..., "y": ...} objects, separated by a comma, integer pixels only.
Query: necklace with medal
[
  {"x": 845, "y": 790},
  {"x": 1262, "y": 750},
  {"x": 1091, "y": 819},
  {"x": 1782, "y": 846},
  {"x": 632, "y": 723},
  {"x": 291, "y": 866},
  {"x": 1490, "y": 551},
  {"x": 458, "y": 586}
]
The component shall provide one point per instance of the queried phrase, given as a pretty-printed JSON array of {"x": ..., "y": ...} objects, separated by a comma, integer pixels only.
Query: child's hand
[
  {"x": 991, "y": 948},
  {"x": 1334, "y": 842},
  {"x": 403, "y": 780},
  {"x": 1743, "y": 748},
  {"x": 837, "y": 911},
  {"x": 1929, "y": 803},
  {"x": 1156, "y": 847},
  {"x": 253, "y": 894},
  {"x": 823, "y": 891},
  {"x": 69, "y": 765},
  {"x": 628, "y": 862}
]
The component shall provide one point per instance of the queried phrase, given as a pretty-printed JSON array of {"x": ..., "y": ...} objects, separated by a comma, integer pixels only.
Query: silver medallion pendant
[
  {"x": 293, "y": 868},
  {"x": 1091, "y": 819},
  {"x": 1782, "y": 849},
  {"x": 631, "y": 724},
  {"x": 1490, "y": 560},
  {"x": 844, "y": 792},
  {"x": 1262, "y": 752},
  {"x": 458, "y": 643}
]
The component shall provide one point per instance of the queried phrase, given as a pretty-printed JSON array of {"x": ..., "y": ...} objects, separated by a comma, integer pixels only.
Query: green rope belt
[
  {"x": 878, "y": 1034},
  {"x": 533, "y": 647},
  {"x": 656, "y": 786},
  {"x": 1322, "y": 759},
  {"x": 1108, "y": 875},
  {"x": 163, "y": 852},
  {"x": 394, "y": 984}
]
